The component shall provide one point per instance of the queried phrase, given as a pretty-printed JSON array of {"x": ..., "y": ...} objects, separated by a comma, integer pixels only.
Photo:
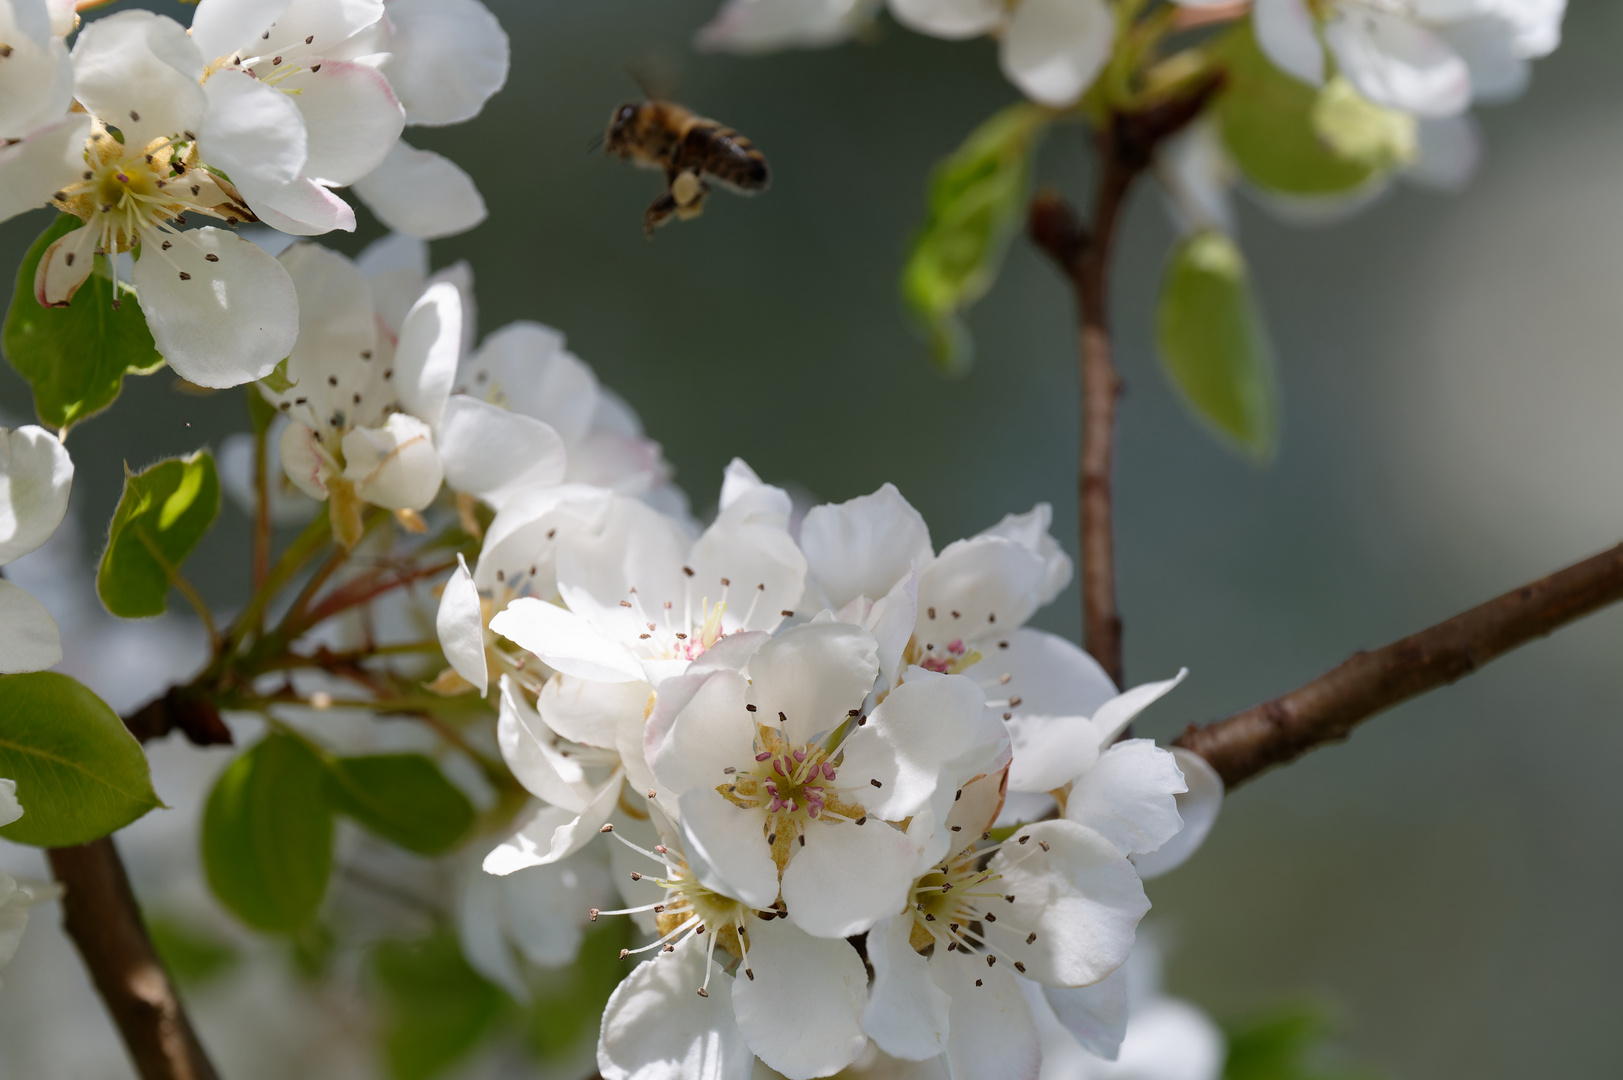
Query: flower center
[
  {"x": 954, "y": 658},
  {"x": 791, "y": 785}
]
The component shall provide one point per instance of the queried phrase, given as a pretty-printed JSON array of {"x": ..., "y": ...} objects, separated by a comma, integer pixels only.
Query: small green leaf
[
  {"x": 975, "y": 205},
  {"x": 401, "y": 797},
  {"x": 277, "y": 381},
  {"x": 165, "y": 511},
  {"x": 75, "y": 357},
  {"x": 80, "y": 774},
  {"x": 1290, "y": 1043},
  {"x": 267, "y": 835},
  {"x": 1295, "y": 139},
  {"x": 190, "y": 952},
  {"x": 435, "y": 1006},
  {"x": 1213, "y": 344}
]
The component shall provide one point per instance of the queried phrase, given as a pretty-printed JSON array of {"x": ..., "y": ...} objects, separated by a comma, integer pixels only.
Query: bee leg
[
  {"x": 658, "y": 213},
  {"x": 695, "y": 206}
]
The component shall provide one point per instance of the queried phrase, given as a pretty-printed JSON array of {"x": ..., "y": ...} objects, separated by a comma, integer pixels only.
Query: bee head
[{"x": 621, "y": 130}]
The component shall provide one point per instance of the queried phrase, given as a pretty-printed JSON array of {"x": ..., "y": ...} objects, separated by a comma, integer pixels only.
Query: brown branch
[
  {"x": 100, "y": 914},
  {"x": 1328, "y": 708},
  {"x": 1126, "y": 146}
]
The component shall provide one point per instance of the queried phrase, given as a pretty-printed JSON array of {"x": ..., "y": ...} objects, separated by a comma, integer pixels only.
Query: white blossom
[
  {"x": 36, "y": 477},
  {"x": 16, "y": 897}
]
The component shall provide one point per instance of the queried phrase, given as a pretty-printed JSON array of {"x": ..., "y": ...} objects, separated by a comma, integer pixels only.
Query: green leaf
[
  {"x": 1295, "y": 139},
  {"x": 1291, "y": 1043},
  {"x": 75, "y": 357},
  {"x": 975, "y": 205},
  {"x": 565, "y": 1011},
  {"x": 165, "y": 511},
  {"x": 80, "y": 774},
  {"x": 435, "y": 1007},
  {"x": 267, "y": 834},
  {"x": 401, "y": 797},
  {"x": 191, "y": 953},
  {"x": 1213, "y": 344}
]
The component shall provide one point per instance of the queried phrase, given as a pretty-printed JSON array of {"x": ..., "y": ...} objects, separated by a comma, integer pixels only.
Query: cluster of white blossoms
[
  {"x": 256, "y": 113},
  {"x": 36, "y": 477},
  {"x": 859, "y": 807}
]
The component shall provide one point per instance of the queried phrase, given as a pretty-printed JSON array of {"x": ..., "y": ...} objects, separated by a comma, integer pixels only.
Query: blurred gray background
[{"x": 1447, "y": 880}]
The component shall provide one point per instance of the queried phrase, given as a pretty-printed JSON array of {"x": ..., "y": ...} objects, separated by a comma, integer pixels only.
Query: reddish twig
[
  {"x": 1328, "y": 708},
  {"x": 369, "y": 587}
]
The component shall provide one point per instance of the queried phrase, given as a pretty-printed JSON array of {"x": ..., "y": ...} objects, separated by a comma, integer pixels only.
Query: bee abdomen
[{"x": 726, "y": 155}]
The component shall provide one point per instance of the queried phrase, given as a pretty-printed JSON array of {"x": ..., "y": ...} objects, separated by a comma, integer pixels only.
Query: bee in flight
[{"x": 690, "y": 150}]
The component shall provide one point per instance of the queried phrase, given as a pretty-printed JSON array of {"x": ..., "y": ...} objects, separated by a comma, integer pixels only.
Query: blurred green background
[{"x": 1448, "y": 880}]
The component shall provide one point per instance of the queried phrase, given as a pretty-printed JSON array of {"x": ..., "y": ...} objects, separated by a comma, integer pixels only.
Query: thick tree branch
[
  {"x": 1328, "y": 708},
  {"x": 1126, "y": 147},
  {"x": 100, "y": 914}
]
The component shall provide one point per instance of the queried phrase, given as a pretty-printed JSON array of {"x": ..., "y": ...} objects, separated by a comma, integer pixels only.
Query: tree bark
[{"x": 1328, "y": 708}]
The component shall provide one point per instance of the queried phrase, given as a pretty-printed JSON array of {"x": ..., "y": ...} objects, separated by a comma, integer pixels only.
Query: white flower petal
[
  {"x": 1287, "y": 33},
  {"x": 907, "y": 1013},
  {"x": 814, "y": 675},
  {"x": 220, "y": 27},
  {"x": 336, "y": 329},
  {"x": 29, "y": 640},
  {"x": 863, "y": 547},
  {"x": 565, "y": 641},
  {"x": 802, "y": 1013},
  {"x": 554, "y": 833},
  {"x": 1114, "y": 715},
  {"x": 1487, "y": 44},
  {"x": 1130, "y": 796},
  {"x": 36, "y": 81},
  {"x": 301, "y": 208},
  {"x": 764, "y": 562},
  {"x": 422, "y": 193},
  {"x": 492, "y": 454},
  {"x": 845, "y": 877},
  {"x": 910, "y": 737},
  {"x": 1198, "y": 807},
  {"x": 1169, "y": 1040},
  {"x": 525, "y": 367},
  {"x": 395, "y": 466},
  {"x": 231, "y": 321},
  {"x": 698, "y": 728},
  {"x": 590, "y": 712},
  {"x": 1447, "y": 152},
  {"x": 952, "y": 19},
  {"x": 43, "y": 163},
  {"x": 351, "y": 119},
  {"x": 304, "y": 461},
  {"x": 65, "y": 266},
  {"x": 331, "y": 23},
  {"x": 448, "y": 57},
  {"x": 1396, "y": 62},
  {"x": 253, "y": 131},
  {"x": 36, "y": 478},
  {"x": 1080, "y": 897},
  {"x": 761, "y": 26},
  {"x": 726, "y": 849},
  {"x": 993, "y": 1033},
  {"x": 1095, "y": 1016},
  {"x": 10, "y": 808},
  {"x": 460, "y": 626},
  {"x": 636, "y": 548},
  {"x": 1030, "y": 530},
  {"x": 1053, "y": 49},
  {"x": 527, "y": 746},
  {"x": 138, "y": 72},
  {"x": 656, "y": 1027},
  {"x": 978, "y": 588},
  {"x": 426, "y": 356}
]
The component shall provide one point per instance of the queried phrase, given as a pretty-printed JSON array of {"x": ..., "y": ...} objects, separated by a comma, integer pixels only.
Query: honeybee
[{"x": 690, "y": 149}]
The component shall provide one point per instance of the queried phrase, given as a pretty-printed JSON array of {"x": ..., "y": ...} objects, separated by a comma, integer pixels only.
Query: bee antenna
[{"x": 597, "y": 141}]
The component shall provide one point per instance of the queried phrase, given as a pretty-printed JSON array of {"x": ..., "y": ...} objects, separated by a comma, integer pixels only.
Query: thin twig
[{"x": 1328, "y": 708}]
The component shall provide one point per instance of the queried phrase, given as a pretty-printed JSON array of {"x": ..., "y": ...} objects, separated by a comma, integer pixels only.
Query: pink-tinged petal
[
  {"x": 351, "y": 119},
  {"x": 1053, "y": 49},
  {"x": 64, "y": 267},
  {"x": 1288, "y": 34},
  {"x": 565, "y": 641},
  {"x": 493, "y": 454},
  {"x": 36, "y": 478},
  {"x": 657, "y": 1027},
  {"x": 863, "y": 547},
  {"x": 426, "y": 355},
  {"x": 907, "y": 1013},
  {"x": 1396, "y": 62},
  {"x": 223, "y": 321},
  {"x": 992, "y": 1030},
  {"x": 447, "y": 58},
  {"x": 802, "y": 1013},
  {"x": 29, "y": 640},
  {"x": 138, "y": 72},
  {"x": 459, "y": 624},
  {"x": 846, "y": 876},
  {"x": 394, "y": 466},
  {"x": 422, "y": 193},
  {"x": 301, "y": 208},
  {"x": 1198, "y": 807},
  {"x": 253, "y": 132},
  {"x": 43, "y": 163},
  {"x": 304, "y": 460}
]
